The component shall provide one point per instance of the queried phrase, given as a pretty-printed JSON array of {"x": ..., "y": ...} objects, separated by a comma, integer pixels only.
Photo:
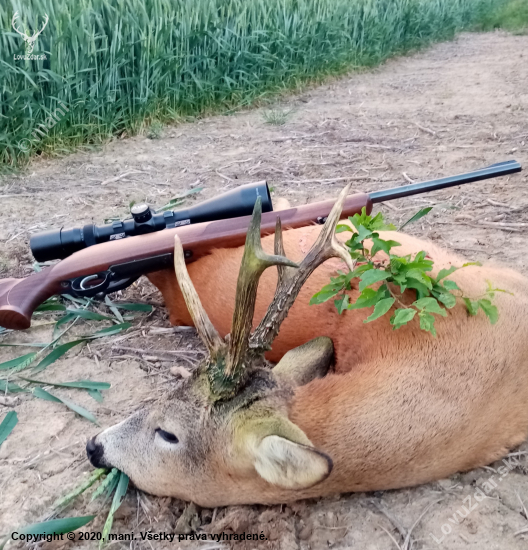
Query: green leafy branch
[{"x": 396, "y": 275}]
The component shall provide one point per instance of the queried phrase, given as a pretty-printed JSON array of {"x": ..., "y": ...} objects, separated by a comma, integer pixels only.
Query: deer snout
[{"x": 95, "y": 453}]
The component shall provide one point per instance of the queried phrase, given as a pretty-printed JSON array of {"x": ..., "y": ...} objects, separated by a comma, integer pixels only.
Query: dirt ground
[{"x": 458, "y": 106}]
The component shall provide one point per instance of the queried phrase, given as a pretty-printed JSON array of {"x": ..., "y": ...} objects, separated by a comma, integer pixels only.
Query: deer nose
[{"x": 95, "y": 453}]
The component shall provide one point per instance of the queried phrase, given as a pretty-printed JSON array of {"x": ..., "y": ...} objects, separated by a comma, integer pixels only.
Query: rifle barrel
[{"x": 493, "y": 171}]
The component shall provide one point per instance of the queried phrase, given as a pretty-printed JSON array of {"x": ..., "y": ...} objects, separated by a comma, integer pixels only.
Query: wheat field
[{"x": 117, "y": 66}]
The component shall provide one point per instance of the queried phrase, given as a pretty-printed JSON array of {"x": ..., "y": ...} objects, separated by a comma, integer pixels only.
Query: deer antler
[
  {"x": 34, "y": 37},
  {"x": 229, "y": 359},
  {"x": 291, "y": 281},
  {"x": 13, "y": 25},
  {"x": 254, "y": 262},
  {"x": 209, "y": 335}
]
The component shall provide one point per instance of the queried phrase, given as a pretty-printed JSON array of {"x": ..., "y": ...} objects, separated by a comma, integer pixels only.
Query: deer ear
[
  {"x": 281, "y": 453},
  {"x": 304, "y": 363},
  {"x": 290, "y": 465}
]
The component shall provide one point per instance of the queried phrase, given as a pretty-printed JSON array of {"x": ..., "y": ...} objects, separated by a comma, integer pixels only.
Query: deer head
[
  {"x": 30, "y": 40},
  {"x": 223, "y": 436}
]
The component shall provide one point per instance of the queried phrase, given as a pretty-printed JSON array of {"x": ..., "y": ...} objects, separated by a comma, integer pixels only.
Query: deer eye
[{"x": 167, "y": 436}]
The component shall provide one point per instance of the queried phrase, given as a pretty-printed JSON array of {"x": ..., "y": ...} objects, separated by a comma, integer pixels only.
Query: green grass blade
[
  {"x": 110, "y": 331},
  {"x": 43, "y": 394},
  {"x": 53, "y": 526},
  {"x": 81, "y": 384},
  {"x": 19, "y": 363},
  {"x": 65, "y": 500},
  {"x": 135, "y": 307},
  {"x": 8, "y": 424},
  {"x": 58, "y": 352},
  {"x": 10, "y": 387},
  {"x": 119, "y": 496}
]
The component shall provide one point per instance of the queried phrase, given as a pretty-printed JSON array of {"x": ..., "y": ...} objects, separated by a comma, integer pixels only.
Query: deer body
[{"x": 401, "y": 407}]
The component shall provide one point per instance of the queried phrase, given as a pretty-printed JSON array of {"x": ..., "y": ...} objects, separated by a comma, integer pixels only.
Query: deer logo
[{"x": 29, "y": 40}]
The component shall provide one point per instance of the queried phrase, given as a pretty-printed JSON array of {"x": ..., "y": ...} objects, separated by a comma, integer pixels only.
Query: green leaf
[
  {"x": 373, "y": 276},
  {"x": 341, "y": 228},
  {"x": 402, "y": 316},
  {"x": 420, "y": 263},
  {"x": 368, "y": 298},
  {"x": 450, "y": 285},
  {"x": 427, "y": 322},
  {"x": 445, "y": 273},
  {"x": 43, "y": 394},
  {"x": 65, "y": 319},
  {"x": 447, "y": 299},
  {"x": 55, "y": 526},
  {"x": 80, "y": 489},
  {"x": 59, "y": 351},
  {"x": 81, "y": 384},
  {"x": 119, "y": 496},
  {"x": 19, "y": 362},
  {"x": 471, "y": 306},
  {"x": 419, "y": 215},
  {"x": 110, "y": 331},
  {"x": 419, "y": 276},
  {"x": 10, "y": 387},
  {"x": 87, "y": 314},
  {"x": 96, "y": 394},
  {"x": 114, "y": 309},
  {"x": 380, "y": 244},
  {"x": 8, "y": 425},
  {"x": 378, "y": 223},
  {"x": 360, "y": 219},
  {"x": 108, "y": 484},
  {"x": 363, "y": 233},
  {"x": 420, "y": 288},
  {"x": 341, "y": 303},
  {"x": 51, "y": 307},
  {"x": 471, "y": 263},
  {"x": 359, "y": 270},
  {"x": 430, "y": 305},
  {"x": 134, "y": 307},
  {"x": 380, "y": 309},
  {"x": 489, "y": 309},
  {"x": 323, "y": 296}
]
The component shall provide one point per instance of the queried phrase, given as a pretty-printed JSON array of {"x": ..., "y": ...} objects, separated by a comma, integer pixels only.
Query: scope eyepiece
[{"x": 60, "y": 243}]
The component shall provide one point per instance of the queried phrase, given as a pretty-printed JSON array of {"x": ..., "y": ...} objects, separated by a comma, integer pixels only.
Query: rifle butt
[{"x": 20, "y": 297}]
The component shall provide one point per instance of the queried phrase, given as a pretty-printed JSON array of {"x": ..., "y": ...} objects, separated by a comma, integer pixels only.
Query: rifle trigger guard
[
  {"x": 86, "y": 279},
  {"x": 78, "y": 286}
]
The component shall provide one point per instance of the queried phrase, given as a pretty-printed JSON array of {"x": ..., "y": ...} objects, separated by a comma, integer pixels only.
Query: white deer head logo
[{"x": 29, "y": 40}]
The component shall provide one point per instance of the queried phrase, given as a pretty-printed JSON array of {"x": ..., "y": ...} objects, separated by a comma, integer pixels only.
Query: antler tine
[
  {"x": 254, "y": 262},
  {"x": 279, "y": 251},
  {"x": 209, "y": 335},
  {"x": 13, "y": 24},
  {"x": 326, "y": 246},
  {"x": 45, "y": 23}
]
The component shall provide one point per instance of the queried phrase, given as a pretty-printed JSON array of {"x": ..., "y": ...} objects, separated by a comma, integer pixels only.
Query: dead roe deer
[{"x": 401, "y": 407}]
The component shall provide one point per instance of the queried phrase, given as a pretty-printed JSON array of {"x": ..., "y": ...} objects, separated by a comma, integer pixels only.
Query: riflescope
[{"x": 60, "y": 243}]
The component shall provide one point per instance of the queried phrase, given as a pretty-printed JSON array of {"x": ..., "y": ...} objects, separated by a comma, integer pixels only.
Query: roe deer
[{"x": 402, "y": 408}]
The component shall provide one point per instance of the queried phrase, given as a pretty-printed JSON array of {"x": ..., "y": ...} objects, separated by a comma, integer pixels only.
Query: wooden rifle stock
[{"x": 20, "y": 297}]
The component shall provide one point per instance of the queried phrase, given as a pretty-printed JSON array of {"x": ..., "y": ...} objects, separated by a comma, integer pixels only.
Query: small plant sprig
[{"x": 398, "y": 274}]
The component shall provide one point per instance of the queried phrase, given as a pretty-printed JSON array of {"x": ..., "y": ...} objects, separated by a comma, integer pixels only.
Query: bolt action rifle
[{"x": 102, "y": 264}]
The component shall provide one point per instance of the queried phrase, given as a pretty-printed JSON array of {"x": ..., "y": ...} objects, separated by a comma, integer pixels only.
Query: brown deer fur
[{"x": 402, "y": 407}]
